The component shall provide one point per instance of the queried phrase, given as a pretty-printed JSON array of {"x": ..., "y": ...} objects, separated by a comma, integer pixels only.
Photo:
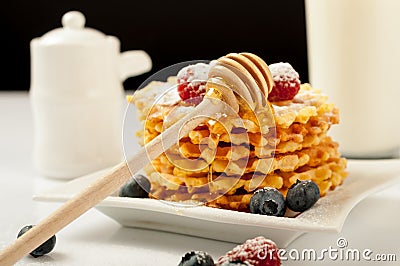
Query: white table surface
[{"x": 95, "y": 239}]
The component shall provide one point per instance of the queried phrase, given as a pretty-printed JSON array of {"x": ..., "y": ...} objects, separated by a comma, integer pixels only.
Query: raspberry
[
  {"x": 191, "y": 82},
  {"x": 258, "y": 251},
  {"x": 287, "y": 82}
]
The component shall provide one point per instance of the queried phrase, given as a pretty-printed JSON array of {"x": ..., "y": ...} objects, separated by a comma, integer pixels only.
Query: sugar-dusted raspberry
[
  {"x": 287, "y": 82},
  {"x": 191, "y": 82},
  {"x": 258, "y": 251}
]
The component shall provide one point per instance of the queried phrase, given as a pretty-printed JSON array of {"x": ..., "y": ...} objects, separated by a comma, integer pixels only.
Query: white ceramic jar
[{"x": 77, "y": 98}]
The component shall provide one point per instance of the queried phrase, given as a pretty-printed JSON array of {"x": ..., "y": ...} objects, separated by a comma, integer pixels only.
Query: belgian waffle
[{"x": 222, "y": 163}]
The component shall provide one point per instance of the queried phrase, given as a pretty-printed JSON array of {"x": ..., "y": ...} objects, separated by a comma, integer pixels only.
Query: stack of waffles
[{"x": 221, "y": 163}]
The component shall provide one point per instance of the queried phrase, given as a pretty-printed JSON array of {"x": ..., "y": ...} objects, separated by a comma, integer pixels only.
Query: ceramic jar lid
[{"x": 73, "y": 32}]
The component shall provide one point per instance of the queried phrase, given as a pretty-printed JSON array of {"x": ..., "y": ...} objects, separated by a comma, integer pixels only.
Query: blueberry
[
  {"x": 302, "y": 195},
  {"x": 197, "y": 258},
  {"x": 234, "y": 263},
  {"x": 268, "y": 201},
  {"x": 44, "y": 248},
  {"x": 137, "y": 187}
]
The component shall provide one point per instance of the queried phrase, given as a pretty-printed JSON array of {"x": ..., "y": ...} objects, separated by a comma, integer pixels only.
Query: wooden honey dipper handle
[{"x": 106, "y": 185}]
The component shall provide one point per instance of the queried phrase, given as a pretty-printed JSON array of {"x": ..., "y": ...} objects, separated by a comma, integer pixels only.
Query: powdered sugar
[
  {"x": 195, "y": 87},
  {"x": 176, "y": 114},
  {"x": 163, "y": 93},
  {"x": 282, "y": 72},
  {"x": 201, "y": 258},
  {"x": 197, "y": 72},
  {"x": 257, "y": 251}
]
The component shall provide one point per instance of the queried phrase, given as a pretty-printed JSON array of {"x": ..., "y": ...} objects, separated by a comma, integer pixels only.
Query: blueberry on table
[
  {"x": 44, "y": 248},
  {"x": 268, "y": 201},
  {"x": 137, "y": 187},
  {"x": 302, "y": 195},
  {"x": 197, "y": 258}
]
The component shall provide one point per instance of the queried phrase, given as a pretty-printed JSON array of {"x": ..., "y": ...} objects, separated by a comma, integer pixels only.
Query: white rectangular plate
[{"x": 328, "y": 214}]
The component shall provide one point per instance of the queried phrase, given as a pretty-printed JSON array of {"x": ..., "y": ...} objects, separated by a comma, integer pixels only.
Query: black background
[{"x": 169, "y": 31}]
